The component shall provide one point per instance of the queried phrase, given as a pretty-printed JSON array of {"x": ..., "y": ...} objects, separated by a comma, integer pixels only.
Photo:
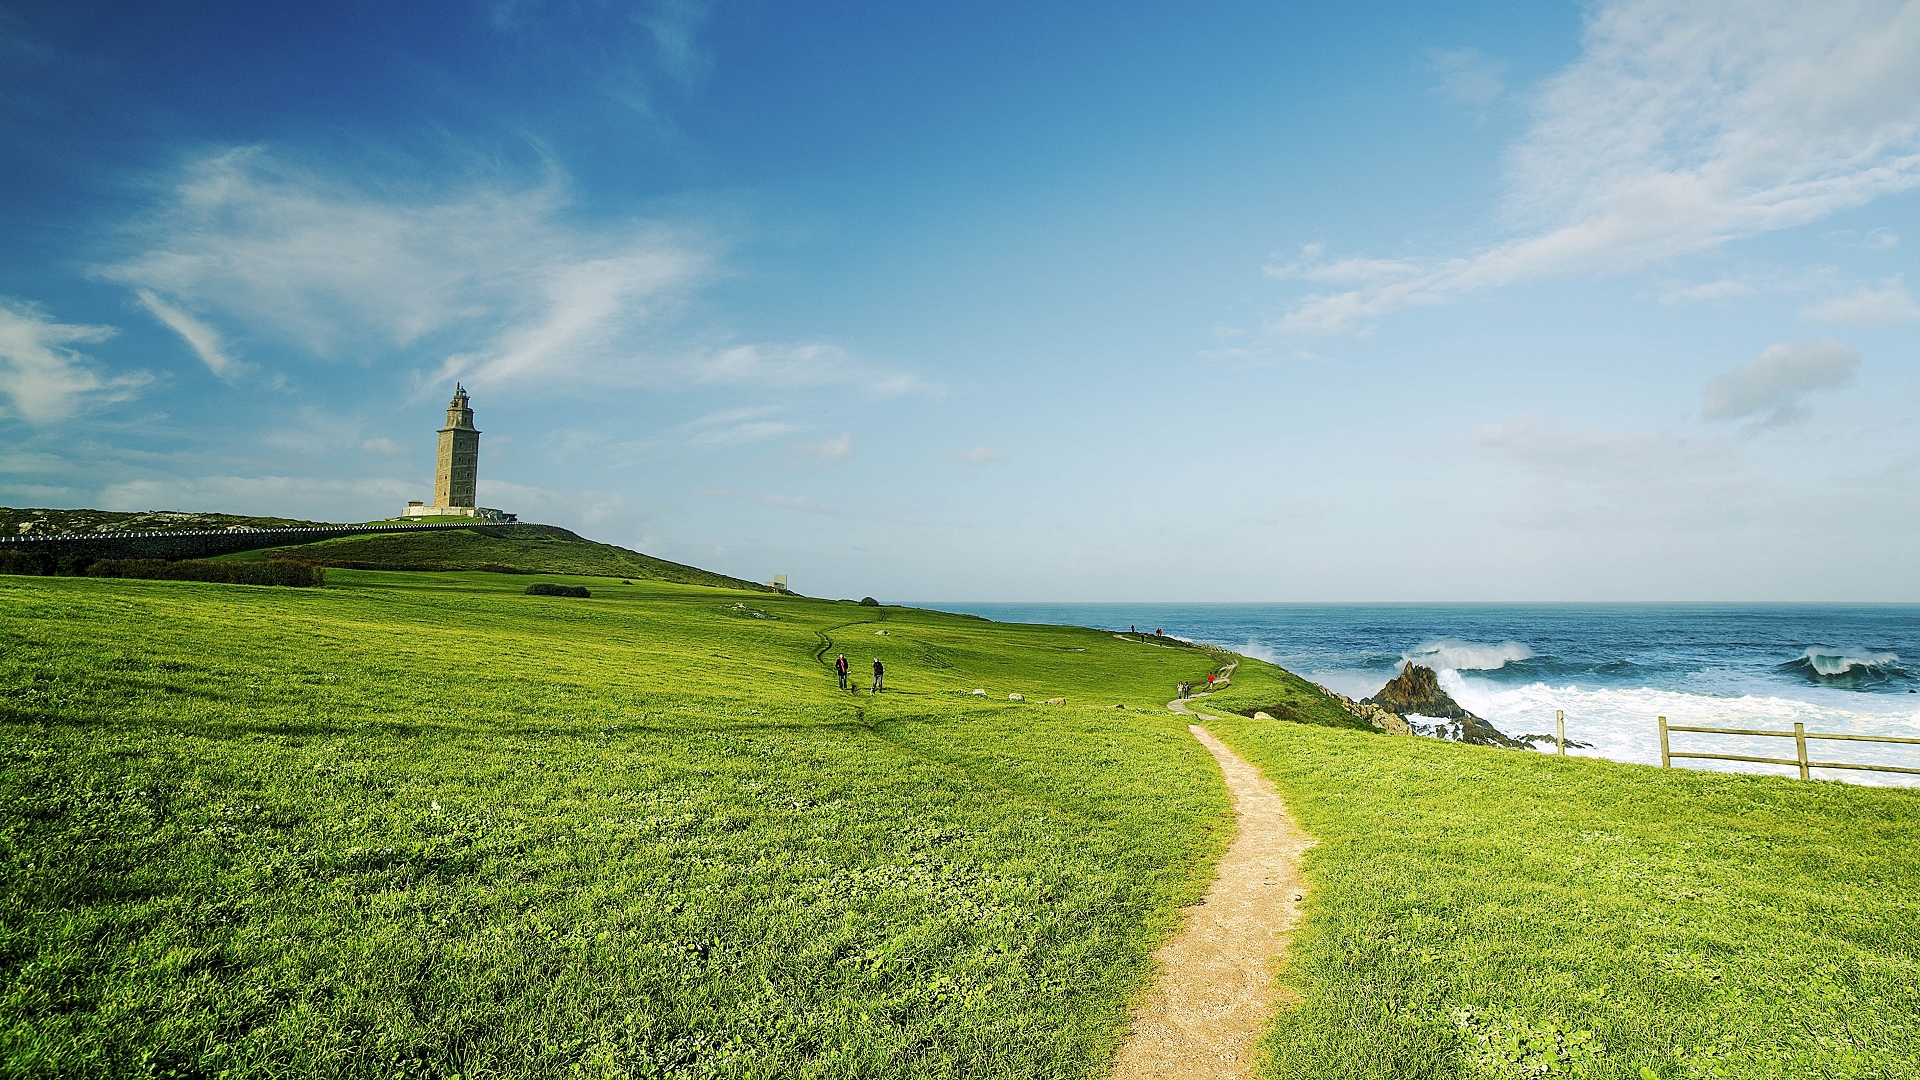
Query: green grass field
[
  {"x": 426, "y": 825},
  {"x": 420, "y": 824}
]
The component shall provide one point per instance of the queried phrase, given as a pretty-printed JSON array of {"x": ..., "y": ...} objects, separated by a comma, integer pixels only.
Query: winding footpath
[{"x": 1213, "y": 988}]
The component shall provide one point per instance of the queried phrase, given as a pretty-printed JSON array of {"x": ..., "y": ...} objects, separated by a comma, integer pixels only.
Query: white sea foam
[
  {"x": 1444, "y": 654},
  {"x": 1257, "y": 651},
  {"x": 1830, "y": 661},
  {"x": 1621, "y": 723}
]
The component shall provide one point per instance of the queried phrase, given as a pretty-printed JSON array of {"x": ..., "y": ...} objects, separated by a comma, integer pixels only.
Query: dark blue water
[{"x": 1612, "y": 668}]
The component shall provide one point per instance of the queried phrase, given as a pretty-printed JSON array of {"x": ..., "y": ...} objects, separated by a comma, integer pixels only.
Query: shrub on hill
[
  {"x": 230, "y": 573},
  {"x": 46, "y": 564},
  {"x": 869, "y": 601},
  {"x": 544, "y": 588}
]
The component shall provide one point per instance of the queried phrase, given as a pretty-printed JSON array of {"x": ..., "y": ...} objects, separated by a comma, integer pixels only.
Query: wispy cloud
[
  {"x": 799, "y": 503},
  {"x": 1683, "y": 125},
  {"x": 204, "y": 340},
  {"x": 41, "y": 373},
  {"x": 802, "y": 365},
  {"x": 1888, "y": 304},
  {"x": 1467, "y": 76},
  {"x": 1778, "y": 382},
  {"x": 736, "y": 427},
  {"x": 826, "y": 451},
  {"x": 504, "y": 284}
]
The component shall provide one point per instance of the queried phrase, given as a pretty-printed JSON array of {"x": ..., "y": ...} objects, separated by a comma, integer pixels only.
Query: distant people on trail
[
  {"x": 879, "y": 674},
  {"x": 1132, "y": 629},
  {"x": 841, "y": 667},
  {"x": 1181, "y": 690},
  {"x": 1156, "y": 632}
]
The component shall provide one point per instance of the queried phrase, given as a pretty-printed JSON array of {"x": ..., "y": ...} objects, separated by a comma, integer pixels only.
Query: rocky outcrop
[{"x": 1416, "y": 692}]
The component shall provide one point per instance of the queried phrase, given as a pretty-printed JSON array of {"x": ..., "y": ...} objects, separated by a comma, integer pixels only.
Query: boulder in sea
[{"x": 1416, "y": 692}]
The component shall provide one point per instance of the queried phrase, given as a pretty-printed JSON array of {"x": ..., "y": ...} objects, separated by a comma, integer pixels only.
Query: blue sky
[{"x": 1190, "y": 302}]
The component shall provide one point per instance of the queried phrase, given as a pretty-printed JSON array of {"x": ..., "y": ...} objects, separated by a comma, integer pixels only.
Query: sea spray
[{"x": 1448, "y": 654}]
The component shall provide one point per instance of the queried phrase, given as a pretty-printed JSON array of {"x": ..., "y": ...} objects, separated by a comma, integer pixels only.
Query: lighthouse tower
[
  {"x": 459, "y": 462},
  {"x": 457, "y": 468}
]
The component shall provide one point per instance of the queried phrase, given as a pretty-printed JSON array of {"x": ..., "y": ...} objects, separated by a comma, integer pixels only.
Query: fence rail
[{"x": 1800, "y": 736}]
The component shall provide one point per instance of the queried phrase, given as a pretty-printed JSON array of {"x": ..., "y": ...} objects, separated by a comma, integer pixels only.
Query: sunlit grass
[
  {"x": 404, "y": 826},
  {"x": 1491, "y": 913}
]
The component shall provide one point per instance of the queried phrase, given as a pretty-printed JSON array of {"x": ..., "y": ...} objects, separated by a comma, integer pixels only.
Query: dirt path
[{"x": 1214, "y": 990}]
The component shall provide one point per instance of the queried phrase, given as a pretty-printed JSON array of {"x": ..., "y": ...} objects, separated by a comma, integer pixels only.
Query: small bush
[
  {"x": 266, "y": 572},
  {"x": 544, "y": 588},
  {"x": 869, "y": 602},
  {"x": 37, "y": 563}
]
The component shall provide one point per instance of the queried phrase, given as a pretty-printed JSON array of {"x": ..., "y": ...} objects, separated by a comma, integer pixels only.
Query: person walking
[
  {"x": 1209, "y": 682},
  {"x": 841, "y": 667},
  {"x": 879, "y": 674}
]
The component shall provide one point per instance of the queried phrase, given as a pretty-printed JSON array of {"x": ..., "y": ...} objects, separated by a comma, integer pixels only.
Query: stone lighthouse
[
  {"x": 457, "y": 468},
  {"x": 458, "y": 465}
]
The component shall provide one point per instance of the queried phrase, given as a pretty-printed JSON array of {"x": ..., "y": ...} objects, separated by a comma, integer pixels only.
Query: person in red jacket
[{"x": 841, "y": 667}]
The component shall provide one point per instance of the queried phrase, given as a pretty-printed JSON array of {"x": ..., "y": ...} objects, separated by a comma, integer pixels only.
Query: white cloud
[
  {"x": 1467, "y": 76},
  {"x": 1682, "y": 125},
  {"x": 380, "y": 444},
  {"x": 1887, "y": 304},
  {"x": 1882, "y": 239},
  {"x": 44, "y": 377},
  {"x": 826, "y": 451},
  {"x": 505, "y": 284},
  {"x": 1724, "y": 289},
  {"x": 800, "y": 365},
  {"x": 203, "y": 339},
  {"x": 736, "y": 427},
  {"x": 799, "y": 503},
  {"x": 1778, "y": 381}
]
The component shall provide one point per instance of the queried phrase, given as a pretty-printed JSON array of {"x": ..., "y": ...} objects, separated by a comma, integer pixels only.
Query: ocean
[{"x": 1613, "y": 668}]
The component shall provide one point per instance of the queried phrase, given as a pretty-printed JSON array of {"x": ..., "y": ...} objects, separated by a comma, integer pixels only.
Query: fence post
[
  {"x": 1800, "y": 742},
  {"x": 1560, "y": 730},
  {"x": 1665, "y": 761}
]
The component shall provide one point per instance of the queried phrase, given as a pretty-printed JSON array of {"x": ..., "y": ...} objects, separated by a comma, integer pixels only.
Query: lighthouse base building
[{"x": 457, "y": 469}]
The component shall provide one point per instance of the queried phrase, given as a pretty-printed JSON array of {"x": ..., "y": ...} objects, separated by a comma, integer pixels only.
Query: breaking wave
[
  {"x": 1620, "y": 723},
  {"x": 1848, "y": 668},
  {"x": 1448, "y": 654}
]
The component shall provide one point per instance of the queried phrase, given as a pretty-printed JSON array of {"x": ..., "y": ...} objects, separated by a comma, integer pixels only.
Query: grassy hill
[
  {"x": 505, "y": 549},
  {"x": 420, "y": 824}
]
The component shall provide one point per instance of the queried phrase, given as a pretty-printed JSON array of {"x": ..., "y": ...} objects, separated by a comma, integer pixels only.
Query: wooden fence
[{"x": 1800, "y": 736}]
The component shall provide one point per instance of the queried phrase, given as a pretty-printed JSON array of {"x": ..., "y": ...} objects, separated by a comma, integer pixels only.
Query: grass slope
[
  {"x": 1258, "y": 686},
  {"x": 511, "y": 549},
  {"x": 424, "y": 825},
  {"x": 1490, "y": 913}
]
